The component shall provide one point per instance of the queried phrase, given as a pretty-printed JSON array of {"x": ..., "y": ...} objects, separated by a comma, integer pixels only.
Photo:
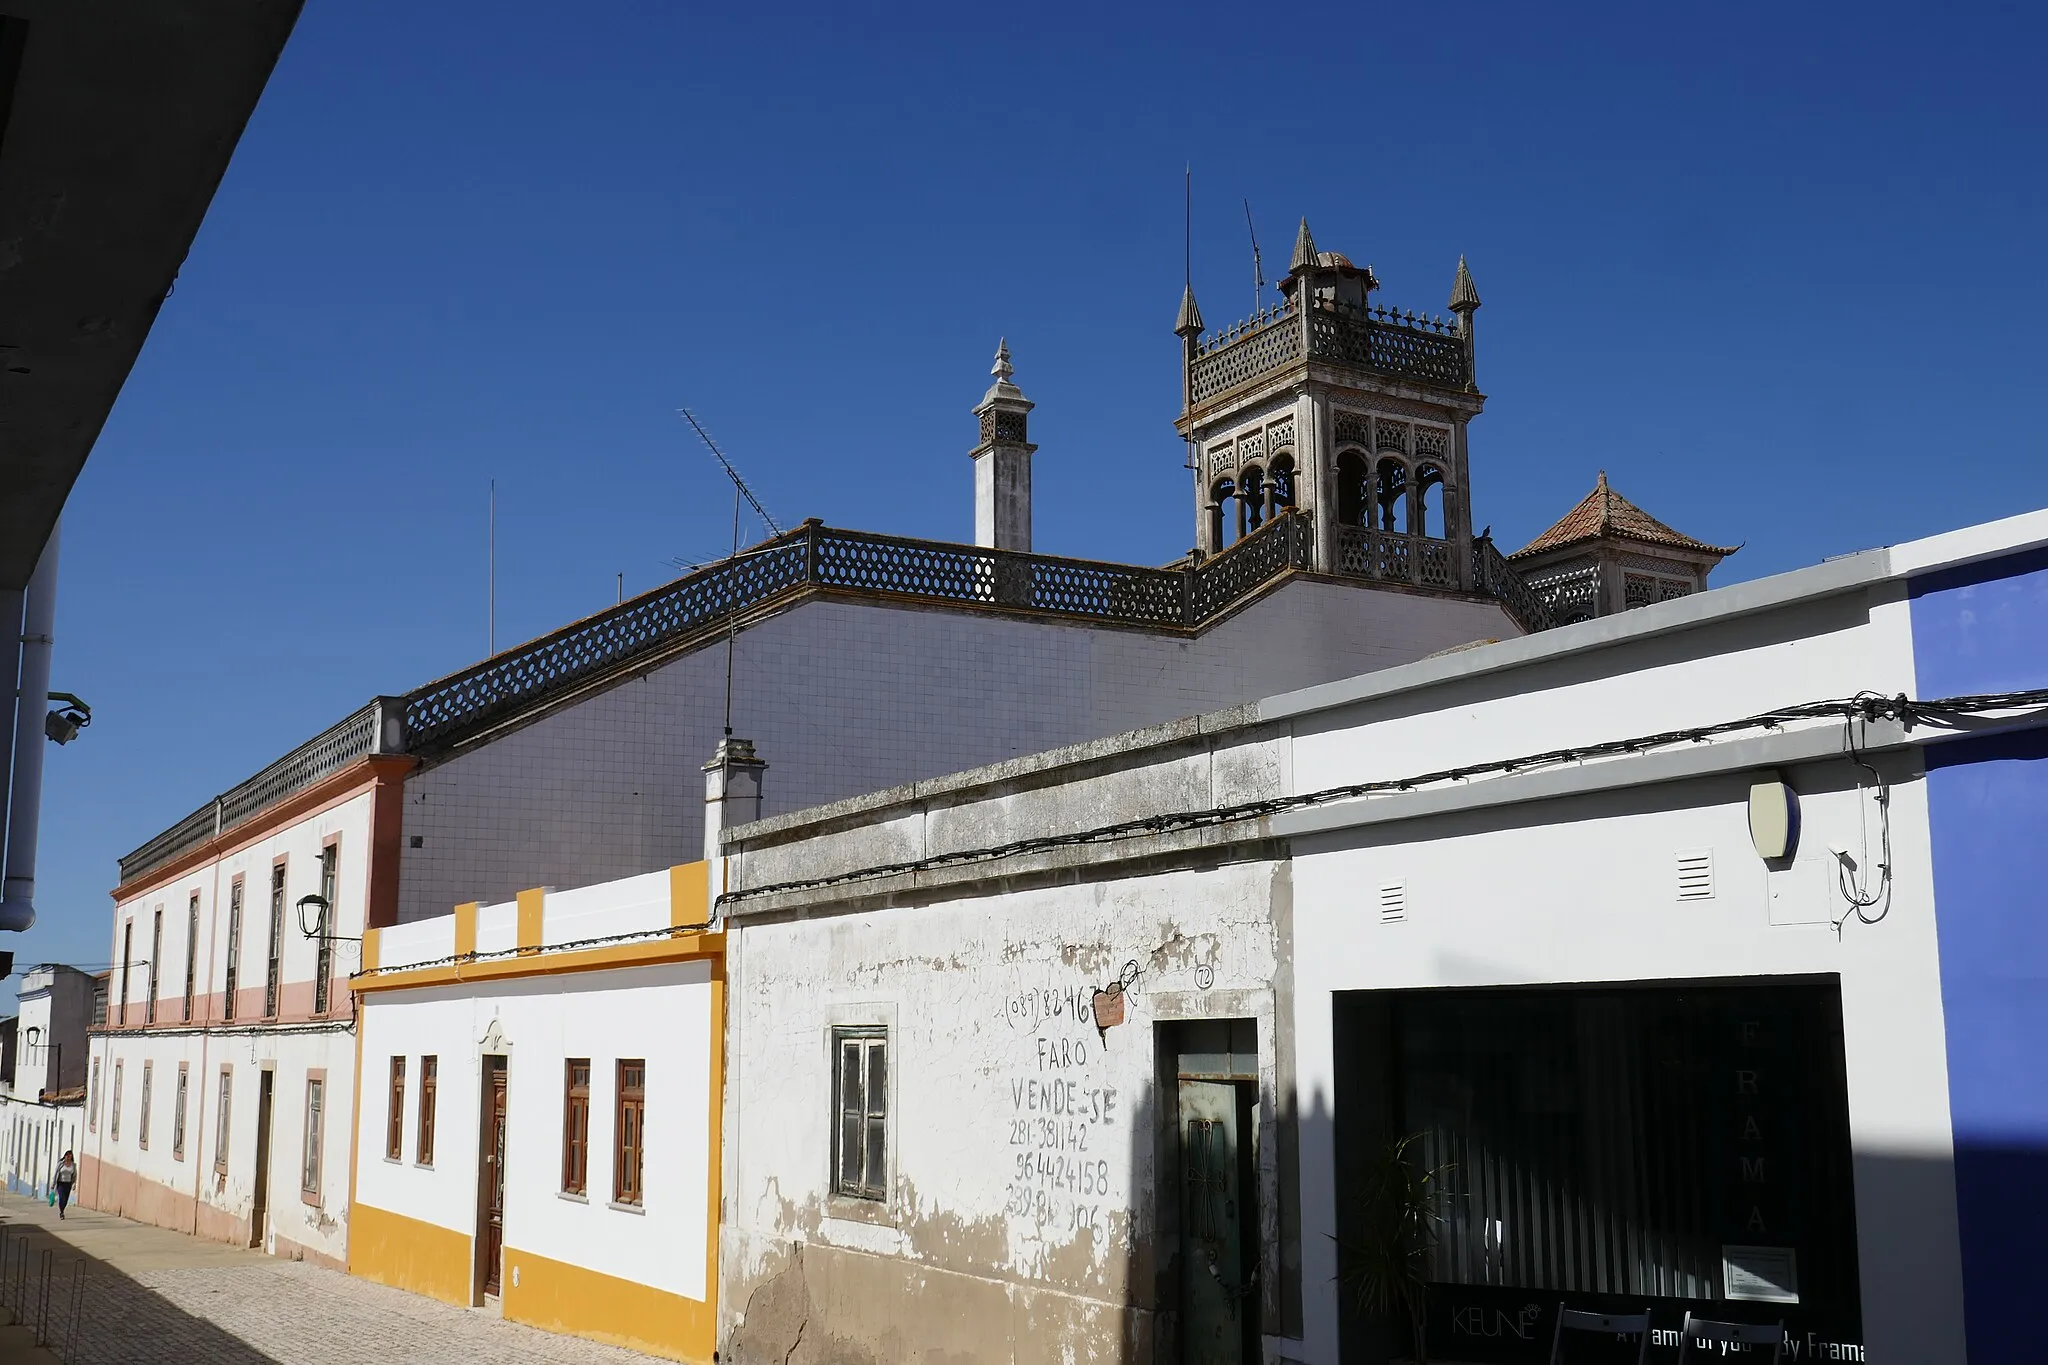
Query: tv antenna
[
  {"x": 739, "y": 491},
  {"x": 1258, "y": 267},
  {"x": 1187, "y": 265},
  {"x": 739, "y": 484}
]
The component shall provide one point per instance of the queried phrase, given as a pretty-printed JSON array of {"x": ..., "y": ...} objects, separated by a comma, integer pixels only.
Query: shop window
[{"x": 1681, "y": 1146}]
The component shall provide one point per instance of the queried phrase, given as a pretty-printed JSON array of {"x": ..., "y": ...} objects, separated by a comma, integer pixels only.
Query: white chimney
[{"x": 1002, "y": 462}]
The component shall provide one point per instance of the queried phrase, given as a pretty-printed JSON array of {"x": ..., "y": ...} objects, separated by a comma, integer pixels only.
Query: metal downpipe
[{"x": 32, "y": 701}]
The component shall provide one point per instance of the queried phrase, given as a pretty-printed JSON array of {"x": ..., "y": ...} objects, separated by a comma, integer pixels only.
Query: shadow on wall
[
  {"x": 94, "y": 1314},
  {"x": 2002, "y": 1206}
]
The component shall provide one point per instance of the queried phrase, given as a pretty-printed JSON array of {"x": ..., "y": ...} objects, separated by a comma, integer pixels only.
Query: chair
[
  {"x": 1607, "y": 1324},
  {"x": 1747, "y": 1333}
]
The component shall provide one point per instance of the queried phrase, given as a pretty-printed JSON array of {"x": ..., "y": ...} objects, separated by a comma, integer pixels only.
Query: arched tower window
[
  {"x": 1392, "y": 496},
  {"x": 1429, "y": 512},
  {"x": 1354, "y": 490},
  {"x": 1251, "y": 498},
  {"x": 1221, "y": 495},
  {"x": 1280, "y": 485}
]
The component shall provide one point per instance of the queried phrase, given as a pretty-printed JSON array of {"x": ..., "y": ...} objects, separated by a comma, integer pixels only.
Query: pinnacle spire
[
  {"x": 1189, "y": 322},
  {"x": 1003, "y": 388},
  {"x": 1304, "y": 249},
  {"x": 1464, "y": 295}
]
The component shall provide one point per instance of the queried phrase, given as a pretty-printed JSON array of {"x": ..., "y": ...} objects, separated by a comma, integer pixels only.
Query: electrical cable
[
  {"x": 1856, "y": 893},
  {"x": 1864, "y": 706},
  {"x": 459, "y": 960}
]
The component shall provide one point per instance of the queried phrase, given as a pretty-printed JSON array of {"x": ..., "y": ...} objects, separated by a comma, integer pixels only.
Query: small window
[
  {"x": 220, "y": 1118},
  {"x": 92, "y": 1104},
  {"x": 127, "y": 967},
  {"x": 316, "y": 1115},
  {"x": 330, "y": 892},
  {"x": 114, "y": 1121},
  {"x": 142, "y": 1119},
  {"x": 430, "y": 1068},
  {"x": 178, "y": 1116},
  {"x": 629, "y": 1140},
  {"x": 860, "y": 1106},
  {"x": 191, "y": 951},
  {"x": 576, "y": 1125},
  {"x": 227, "y": 1003},
  {"x": 273, "y": 975},
  {"x": 156, "y": 952},
  {"x": 394, "y": 1113}
]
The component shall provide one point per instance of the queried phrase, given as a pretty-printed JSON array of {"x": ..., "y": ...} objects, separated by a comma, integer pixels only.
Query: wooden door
[
  {"x": 259, "y": 1212},
  {"x": 490, "y": 1242},
  {"x": 1218, "y": 1263}
]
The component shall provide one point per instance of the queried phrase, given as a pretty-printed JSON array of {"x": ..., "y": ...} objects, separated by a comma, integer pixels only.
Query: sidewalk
[{"x": 150, "y": 1296}]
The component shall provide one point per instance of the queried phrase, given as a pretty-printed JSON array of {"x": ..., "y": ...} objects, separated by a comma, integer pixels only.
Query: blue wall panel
[{"x": 1986, "y": 630}]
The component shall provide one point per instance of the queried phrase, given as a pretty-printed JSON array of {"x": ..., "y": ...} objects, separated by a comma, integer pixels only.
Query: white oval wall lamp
[{"x": 1773, "y": 818}]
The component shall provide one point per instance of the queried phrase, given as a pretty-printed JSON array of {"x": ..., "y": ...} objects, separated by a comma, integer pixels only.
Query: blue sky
[{"x": 1775, "y": 268}]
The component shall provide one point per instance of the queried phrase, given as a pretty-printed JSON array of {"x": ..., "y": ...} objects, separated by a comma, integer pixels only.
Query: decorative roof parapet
[
  {"x": 444, "y": 714},
  {"x": 1390, "y": 341},
  {"x": 644, "y": 632}
]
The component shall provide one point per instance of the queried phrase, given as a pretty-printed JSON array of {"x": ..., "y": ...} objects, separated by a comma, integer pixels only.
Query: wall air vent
[
  {"x": 1393, "y": 903},
  {"x": 1696, "y": 874}
]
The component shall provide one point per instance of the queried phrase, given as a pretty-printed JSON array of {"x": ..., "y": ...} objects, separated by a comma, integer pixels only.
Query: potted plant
[{"x": 1386, "y": 1265}]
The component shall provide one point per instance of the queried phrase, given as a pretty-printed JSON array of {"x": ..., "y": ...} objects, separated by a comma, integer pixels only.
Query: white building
[
  {"x": 221, "y": 1088},
  {"x": 540, "y": 1110},
  {"x": 1702, "y": 974},
  {"x": 42, "y": 1074}
]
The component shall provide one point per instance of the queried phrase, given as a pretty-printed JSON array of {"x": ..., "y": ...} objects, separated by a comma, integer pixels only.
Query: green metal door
[{"x": 1218, "y": 1305}]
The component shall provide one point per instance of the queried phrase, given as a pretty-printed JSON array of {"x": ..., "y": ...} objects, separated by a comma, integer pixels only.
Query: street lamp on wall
[{"x": 313, "y": 920}]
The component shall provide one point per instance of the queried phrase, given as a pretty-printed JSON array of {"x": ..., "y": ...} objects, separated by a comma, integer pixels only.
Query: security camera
[{"x": 63, "y": 725}]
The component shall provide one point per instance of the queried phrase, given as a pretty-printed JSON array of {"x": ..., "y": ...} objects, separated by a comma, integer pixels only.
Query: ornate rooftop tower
[{"x": 1352, "y": 412}]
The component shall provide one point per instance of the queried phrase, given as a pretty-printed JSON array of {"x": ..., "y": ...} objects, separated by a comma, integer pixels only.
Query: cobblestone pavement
[{"x": 155, "y": 1297}]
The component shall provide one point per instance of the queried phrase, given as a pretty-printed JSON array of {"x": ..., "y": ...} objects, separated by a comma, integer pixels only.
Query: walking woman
[{"x": 67, "y": 1176}]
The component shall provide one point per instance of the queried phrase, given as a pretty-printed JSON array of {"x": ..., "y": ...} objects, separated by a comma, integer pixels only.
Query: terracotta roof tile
[{"x": 1604, "y": 512}]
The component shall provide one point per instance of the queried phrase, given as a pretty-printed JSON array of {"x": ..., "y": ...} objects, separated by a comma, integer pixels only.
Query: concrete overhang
[{"x": 117, "y": 119}]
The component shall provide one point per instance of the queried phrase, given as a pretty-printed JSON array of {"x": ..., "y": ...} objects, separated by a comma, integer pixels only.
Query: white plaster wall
[
  {"x": 1021, "y": 1139},
  {"x": 426, "y": 940},
  {"x": 1585, "y": 890},
  {"x": 630, "y": 905},
  {"x": 660, "y": 1013},
  {"x": 1713, "y": 672},
  {"x": 497, "y": 927},
  {"x": 32, "y": 1138},
  {"x": 844, "y": 698},
  {"x": 319, "y": 1225}
]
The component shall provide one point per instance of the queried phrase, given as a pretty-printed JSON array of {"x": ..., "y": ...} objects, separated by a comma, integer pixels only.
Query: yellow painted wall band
[
  {"x": 557, "y": 1297},
  {"x": 405, "y": 1253},
  {"x": 679, "y": 947},
  {"x": 531, "y": 905},
  {"x": 689, "y": 896}
]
